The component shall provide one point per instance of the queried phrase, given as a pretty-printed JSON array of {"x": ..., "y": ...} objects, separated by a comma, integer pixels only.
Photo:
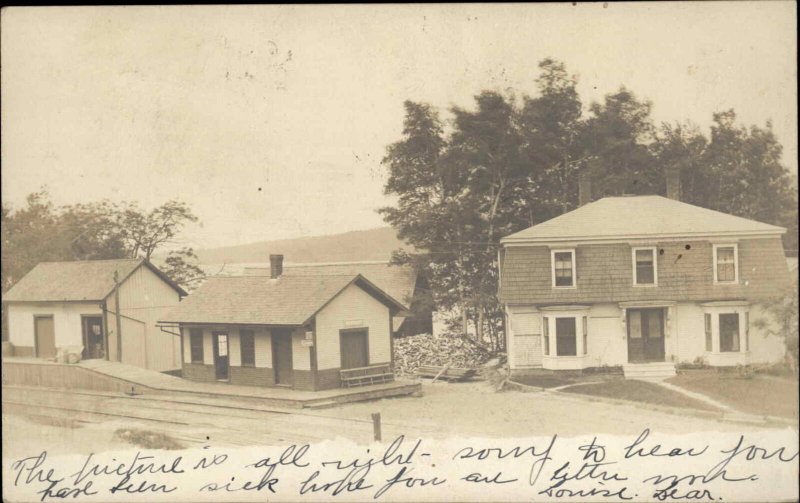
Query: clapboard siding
[
  {"x": 147, "y": 298},
  {"x": 604, "y": 273}
]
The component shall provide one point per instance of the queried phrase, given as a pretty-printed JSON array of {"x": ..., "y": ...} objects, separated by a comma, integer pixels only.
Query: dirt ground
[
  {"x": 476, "y": 409},
  {"x": 444, "y": 410}
]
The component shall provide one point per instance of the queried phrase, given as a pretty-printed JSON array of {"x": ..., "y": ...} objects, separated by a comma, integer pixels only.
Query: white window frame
[
  {"x": 553, "y": 268},
  {"x": 735, "y": 247},
  {"x": 653, "y": 251}
]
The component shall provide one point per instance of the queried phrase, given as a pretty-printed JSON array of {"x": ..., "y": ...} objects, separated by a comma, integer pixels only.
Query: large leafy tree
[
  {"x": 41, "y": 231},
  {"x": 503, "y": 167}
]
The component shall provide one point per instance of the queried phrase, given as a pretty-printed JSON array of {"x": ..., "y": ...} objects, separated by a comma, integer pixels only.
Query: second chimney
[
  {"x": 275, "y": 266},
  {"x": 674, "y": 184},
  {"x": 584, "y": 188}
]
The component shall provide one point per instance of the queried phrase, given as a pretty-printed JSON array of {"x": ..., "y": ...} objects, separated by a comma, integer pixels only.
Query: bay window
[
  {"x": 726, "y": 332},
  {"x": 565, "y": 332}
]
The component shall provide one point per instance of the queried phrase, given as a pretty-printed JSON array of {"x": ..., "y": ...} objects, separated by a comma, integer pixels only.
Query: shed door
[
  {"x": 353, "y": 348},
  {"x": 282, "y": 357},
  {"x": 93, "y": 340},
  {"x": 45, "y": 337}
]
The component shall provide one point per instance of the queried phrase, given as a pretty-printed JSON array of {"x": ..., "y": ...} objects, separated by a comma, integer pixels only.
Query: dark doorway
[
  {"x": 645, "y": 335},
  {"x": 93, "y": 340},
  {"x": 282, "y": 357},
  {"x": 45, "y": 336},
  {"x": 354, "y": 348},
  {"x": 221, "y": 358}
]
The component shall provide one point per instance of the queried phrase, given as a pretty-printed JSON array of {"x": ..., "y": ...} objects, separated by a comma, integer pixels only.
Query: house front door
[
  {"x": 93, "y": 340},
  {"x": 221, "y": 358},
  {"x": 45, "y": 336},
  {"x": 282, "y": 357},
  {"x": 645, "y": 335}
]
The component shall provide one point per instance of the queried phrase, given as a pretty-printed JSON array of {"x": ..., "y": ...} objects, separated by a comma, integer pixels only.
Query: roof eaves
[{"x": 777, "y": 231}]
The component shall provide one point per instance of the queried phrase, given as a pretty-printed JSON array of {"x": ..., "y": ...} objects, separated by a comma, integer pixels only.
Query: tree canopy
[{"x": 41, "y": 231}]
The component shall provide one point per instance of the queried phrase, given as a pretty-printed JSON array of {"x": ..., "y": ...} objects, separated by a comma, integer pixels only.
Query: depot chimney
[{"x": 275, "y": 266}]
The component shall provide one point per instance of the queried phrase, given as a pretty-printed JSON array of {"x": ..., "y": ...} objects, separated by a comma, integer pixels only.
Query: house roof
[
  {"x": 256, "y": 300},
  {"x": 640, "y": 217},
  {"x": 86, "y": 280},
  {"x": 396, "y": 280}
]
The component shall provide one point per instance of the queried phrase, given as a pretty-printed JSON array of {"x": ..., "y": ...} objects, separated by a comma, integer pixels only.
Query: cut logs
[{"x": 425, "y": 350}]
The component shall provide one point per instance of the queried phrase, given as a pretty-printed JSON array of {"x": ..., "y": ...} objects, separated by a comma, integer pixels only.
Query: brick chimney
[
  {"x": 674, "y": 184},
  {"x": 275, "y": 266},
  {"x": 584, "y": 188}
]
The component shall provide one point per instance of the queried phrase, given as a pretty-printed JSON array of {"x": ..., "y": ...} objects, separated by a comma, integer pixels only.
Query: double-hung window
[
  {"x": 563, "y": 262},
  {"x": 726, "y": 268},
  {"x": 645, "y": 268}
]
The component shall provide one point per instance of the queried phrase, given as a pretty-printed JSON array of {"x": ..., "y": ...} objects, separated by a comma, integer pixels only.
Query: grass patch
[
  {"x": 761, "y": 394},
  {"x": 543, "y": 381},
  {"x": 147, "y": 439},
  {"x": 639, "y": 391}
]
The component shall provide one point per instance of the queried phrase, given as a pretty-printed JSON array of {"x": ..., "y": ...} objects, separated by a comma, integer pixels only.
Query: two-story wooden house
[{"x": 638, "y": 280}]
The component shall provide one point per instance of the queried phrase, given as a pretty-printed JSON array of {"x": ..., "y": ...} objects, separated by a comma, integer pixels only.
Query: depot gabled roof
[
  {"x": 629, "y": 217},
  {"x": 258, "y": 300}
]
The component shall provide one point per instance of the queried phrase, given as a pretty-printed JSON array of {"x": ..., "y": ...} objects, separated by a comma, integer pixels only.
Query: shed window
[
  {"x": 566, "y": 344},
  {"x": 644, "y": 266},
  {"x": 196, "y": 345},
  {"x": 725, "y": 263},
  {"x": 564, "y": 268},
  {"x": 729, "y": 332},
  {"x": 248, "y": 347}
]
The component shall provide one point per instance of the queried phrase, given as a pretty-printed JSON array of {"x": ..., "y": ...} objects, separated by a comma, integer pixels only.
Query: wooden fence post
[{"x": 376, "y": 425}]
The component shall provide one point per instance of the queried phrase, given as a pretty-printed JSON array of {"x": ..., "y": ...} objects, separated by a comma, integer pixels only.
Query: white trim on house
[
  {"x": 654, "y": 254},
  {"x": 735, "y": 247},
  {"x": 636, "y": 239},
  {"x": 553, "y": 268}
]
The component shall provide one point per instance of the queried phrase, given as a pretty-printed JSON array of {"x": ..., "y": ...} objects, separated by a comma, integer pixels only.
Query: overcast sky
[{"x": 272, "y": 121}]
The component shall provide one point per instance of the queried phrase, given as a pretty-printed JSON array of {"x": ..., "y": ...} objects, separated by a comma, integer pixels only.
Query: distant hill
[{"x": 373, "y": 244}]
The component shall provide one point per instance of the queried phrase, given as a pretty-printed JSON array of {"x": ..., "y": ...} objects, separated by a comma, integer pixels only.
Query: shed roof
[
  {"x": 256, "y": 300},
  {"x": 640, "y": 216},
  {"x": 85, "y": 280}
]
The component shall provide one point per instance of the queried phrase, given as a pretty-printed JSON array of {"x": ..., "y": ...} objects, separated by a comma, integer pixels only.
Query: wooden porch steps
[{"x": 651, "y": 371}]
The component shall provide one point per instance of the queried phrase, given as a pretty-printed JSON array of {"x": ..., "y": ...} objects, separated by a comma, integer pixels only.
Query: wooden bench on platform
[{"x": 363, "y": 376}]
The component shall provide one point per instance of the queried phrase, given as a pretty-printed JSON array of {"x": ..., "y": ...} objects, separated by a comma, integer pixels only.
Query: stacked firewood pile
[{"x": 454, "y": 350}]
